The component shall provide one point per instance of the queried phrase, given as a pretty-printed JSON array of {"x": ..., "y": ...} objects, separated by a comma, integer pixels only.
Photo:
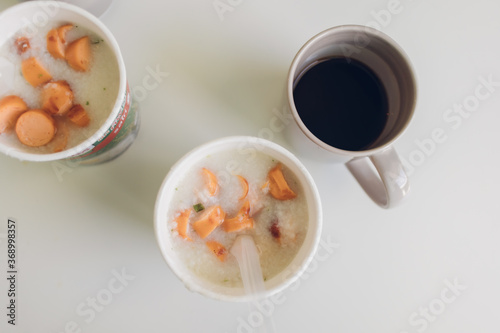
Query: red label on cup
[{"x": 112, "y": 136}]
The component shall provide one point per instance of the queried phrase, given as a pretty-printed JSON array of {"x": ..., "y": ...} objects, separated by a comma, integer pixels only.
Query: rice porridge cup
[
  {"x": 62, "y": 62},
  {"x": 233, "y": 186}
]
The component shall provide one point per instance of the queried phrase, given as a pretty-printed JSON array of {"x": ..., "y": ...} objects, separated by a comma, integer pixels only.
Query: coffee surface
[{"x": 342, "y": 102}]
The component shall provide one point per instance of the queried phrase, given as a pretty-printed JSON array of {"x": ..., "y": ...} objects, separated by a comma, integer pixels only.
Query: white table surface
[{"x": 388, "y": 271}]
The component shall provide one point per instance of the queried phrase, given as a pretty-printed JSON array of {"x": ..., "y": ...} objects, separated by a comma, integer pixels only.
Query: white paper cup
[
  {"x": 239, "y": 143},
  {"x": 120, "y": 128}
]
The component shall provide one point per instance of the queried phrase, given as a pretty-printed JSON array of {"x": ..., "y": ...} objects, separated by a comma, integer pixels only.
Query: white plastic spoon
[{"x": 247, "y": 255}]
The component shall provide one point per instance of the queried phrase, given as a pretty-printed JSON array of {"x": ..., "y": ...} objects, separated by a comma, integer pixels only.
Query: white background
[{"x": 225, "y": 78}]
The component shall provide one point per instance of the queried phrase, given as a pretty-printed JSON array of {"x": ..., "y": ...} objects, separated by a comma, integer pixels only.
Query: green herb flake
[
  {"x": 87, "y": 103},
  {"x": 226, "y": 280},
  {"x": 198, "y": 207},
  {"x": 104, "y": 88},
  {"x": 40, "y": 75}
]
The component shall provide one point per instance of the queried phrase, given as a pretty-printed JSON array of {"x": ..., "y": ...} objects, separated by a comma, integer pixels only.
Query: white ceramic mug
[{"x": 377, "y": 168}]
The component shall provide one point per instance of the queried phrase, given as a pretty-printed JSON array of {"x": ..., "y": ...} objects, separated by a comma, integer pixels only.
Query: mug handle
[{"x": 387, "y": 184}]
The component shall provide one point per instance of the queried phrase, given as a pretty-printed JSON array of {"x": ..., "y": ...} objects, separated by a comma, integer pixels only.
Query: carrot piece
[
  {"x": 78, "y": 54},
  {"x": 57, "y": 97},
  {"x": 62, "y": 30},
  {"x": 60, "y": 140},
  {"x": 54, "y": 44},
  {"x": 182, "y": 221},
  {"x": 11, "y": 107},
  {"x": 218, "y": 249},
  {"x": 78, "y": 116},
  {"x": 34, "y": 72},
  {"x": 22, "y": 44},
  {"x": 244, "y": 184},
  {"x": 241, "y": 221},
  {"x": 211, "y": 181},
  {"x": 35, "y": 128},
  {"x": 209, "y": 220},
  {"x": 278, "y": 186}
]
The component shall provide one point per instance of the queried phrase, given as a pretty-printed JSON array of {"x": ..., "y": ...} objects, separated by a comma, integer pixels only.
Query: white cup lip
[
  {"x": 106, "y": 34},
  {"x": 290, "y": 81},
  {"x": 191, "y": 281}
]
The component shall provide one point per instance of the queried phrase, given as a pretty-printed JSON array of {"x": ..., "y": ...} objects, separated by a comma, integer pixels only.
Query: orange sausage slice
[
  {"x": 78, "y": 116},
  {"x": 62, "y": 30},
  {"x": 244, "y": 185},
  {"x": 278, "y": 187},
  {"x": 35, "y": 128},
  {"x": 182, "y": 221},
  {"x": 78, "y": 54},
  {"x": 211, "y": 182},
  {"x": 54, "y": 44},
  {"x": 60, "y": 140},
  {"x": 241, "y": 221},
  {"x": 218, "y": 249},
  {"x": 22, "y": 44},
  {"x": 209, "y": 220},
  {"x": 57, "y": 97},
  {"x": 11, "y": 107},
  {"x": 34, "y": 72}
]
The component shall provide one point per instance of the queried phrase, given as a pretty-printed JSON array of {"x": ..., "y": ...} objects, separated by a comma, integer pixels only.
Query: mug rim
[
  {"x": 293, "y": 69},
  {"x": 122, "y": 88}
]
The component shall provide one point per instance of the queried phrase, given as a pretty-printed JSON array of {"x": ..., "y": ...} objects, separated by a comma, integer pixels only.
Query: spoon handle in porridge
[{"x": 247, "y": 255}]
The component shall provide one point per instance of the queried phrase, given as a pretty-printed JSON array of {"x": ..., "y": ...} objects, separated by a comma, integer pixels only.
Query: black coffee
[{"x": 342, "y": 102}]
